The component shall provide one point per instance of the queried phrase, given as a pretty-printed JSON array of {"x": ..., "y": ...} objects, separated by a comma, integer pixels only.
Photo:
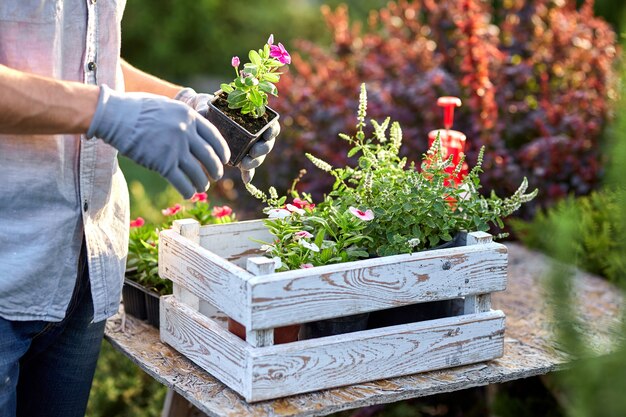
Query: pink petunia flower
[
  {"x": 219, "y": 212},
  {"x": 302, "y": 204},
  {"x": 366, "y": 215},
  {"x": 199, "y": 197},
  {"x": 305, "y": 266},
  {"x": 270, "y": 40},
  {"x": 235, "y": 62},
  {"x": 138, "y": 222},
  {"x": 279, "y": 52},
  {"x": 170, "y": 211},
  {"x": 303, "y": 234}
]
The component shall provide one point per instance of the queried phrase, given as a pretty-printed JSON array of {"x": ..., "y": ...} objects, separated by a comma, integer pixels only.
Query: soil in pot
[
  {"x": 251, "y": 124},
  {"x": 282, "y": 335},
  {"x": 338, "y": 325}
]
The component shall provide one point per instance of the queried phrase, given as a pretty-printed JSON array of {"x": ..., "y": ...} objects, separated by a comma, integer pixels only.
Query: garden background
[{"x": 540, "y": 82}]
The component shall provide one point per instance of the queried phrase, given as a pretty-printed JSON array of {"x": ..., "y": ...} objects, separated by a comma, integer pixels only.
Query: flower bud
[{"x": 235, "y": 62}]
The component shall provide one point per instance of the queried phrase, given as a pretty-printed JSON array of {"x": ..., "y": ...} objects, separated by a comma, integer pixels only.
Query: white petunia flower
[
  {"x": 309, "y": 245},
  {"x": 295, "y": 209},
  {"x": 366, "y": 215},
  {"x": 277, "y": 262},
  {"x": 278, "y": 213},
  {"x": 413, "y": 242}
]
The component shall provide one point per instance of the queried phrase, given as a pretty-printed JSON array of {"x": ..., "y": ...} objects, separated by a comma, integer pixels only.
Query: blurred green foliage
[
  {"x": 180, "y": 39},
  {"x": 593, "y": 387},
  {"x": 599, "y": 241},
  {"x": 613, "y": 11},
  {"x": 121, "y": 389}
]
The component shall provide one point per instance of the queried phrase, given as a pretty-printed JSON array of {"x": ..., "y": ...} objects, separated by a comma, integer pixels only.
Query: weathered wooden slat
[
  {"x": 373, "y": 284},
  {"x": 205, "y": 342},
  {"x": 351, "y": 358},
  {"x": 205, "y": 274},
  {"x": 260, "y": 266},
  {"x": 190, "y": 229},
  {"x": 233, "y": 241},
  {"x": 478, "y": 303}
]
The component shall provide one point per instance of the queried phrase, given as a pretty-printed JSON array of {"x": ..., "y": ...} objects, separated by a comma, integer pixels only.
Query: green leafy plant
[
  {"x": 143, "y": 245},
  {"x": 249, "y": 91},
  {"x": 598, "y": 243},
  {"x": 383, "y": 205}
]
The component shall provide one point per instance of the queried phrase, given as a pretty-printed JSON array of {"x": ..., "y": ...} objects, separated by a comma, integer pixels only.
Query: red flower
[
  {"x": 170, "y": 211},
  {"x": 301, "y": 204},
  {"x": 220, "y": 212},
  {"x": 138, "y": 222},
  {"x": 199, "y": 197}
]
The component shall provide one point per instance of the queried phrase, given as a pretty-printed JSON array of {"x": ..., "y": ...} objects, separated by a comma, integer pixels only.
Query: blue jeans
[{"x": 46, "y": 369}]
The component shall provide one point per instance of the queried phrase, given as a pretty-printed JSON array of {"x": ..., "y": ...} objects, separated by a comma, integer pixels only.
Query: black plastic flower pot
[
  {"x": 152, "y": 308},
  {"x": 239, "y": 138},
  {"x": 134, "y": 298},
  {"x": 422, "y": 311},
  {"x": 334, "y": 326},
  {"x": 415, "y": 313}
]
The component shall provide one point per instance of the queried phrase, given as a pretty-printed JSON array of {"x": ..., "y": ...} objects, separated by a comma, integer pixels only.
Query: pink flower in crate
[
  {"x": 199, "y": 197},
  {"x": 366, "y": 215},
  {"x": 138, "y": 222},
  {"x": 220, "y": 212},
  {"x": 170, "y": 211},
  {"x": 302, "y": 204},
  {"x": 280, "y": 53},
  {"x": 305, "y": 266},
  {"x": 303, "y": 234}
]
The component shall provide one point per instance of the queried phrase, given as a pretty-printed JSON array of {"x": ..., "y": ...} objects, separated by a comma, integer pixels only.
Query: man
[{"x": 68, "y": 104}]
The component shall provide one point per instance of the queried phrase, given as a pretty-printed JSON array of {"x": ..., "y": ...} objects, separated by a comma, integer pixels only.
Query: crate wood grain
[{"x": 210, "y": 266}]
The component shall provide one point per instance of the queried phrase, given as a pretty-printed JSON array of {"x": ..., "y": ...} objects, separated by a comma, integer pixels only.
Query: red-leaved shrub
[{"x": 535, "y": 78}]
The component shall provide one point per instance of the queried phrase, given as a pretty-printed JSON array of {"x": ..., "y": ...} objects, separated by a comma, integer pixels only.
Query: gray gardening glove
[
  {"x": 163, "y": 135},
  {"x": 258, "y": 152}
]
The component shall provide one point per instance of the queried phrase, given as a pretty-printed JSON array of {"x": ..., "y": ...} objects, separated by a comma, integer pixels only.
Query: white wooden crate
[{"x": 207, "y": 264}]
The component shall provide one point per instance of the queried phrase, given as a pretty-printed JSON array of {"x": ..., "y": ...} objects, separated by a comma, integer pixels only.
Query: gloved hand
[
  {"x": 258, "y": 151},
  {"x": 163, "y": 135}
]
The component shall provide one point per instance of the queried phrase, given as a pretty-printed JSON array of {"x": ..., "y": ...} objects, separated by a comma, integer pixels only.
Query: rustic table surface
[{"x": 529, "y": 350}]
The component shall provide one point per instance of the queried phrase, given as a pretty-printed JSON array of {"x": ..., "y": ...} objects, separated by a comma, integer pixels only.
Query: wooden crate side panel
[
  {"x": 232, "y": 241},
  {"x": 204, "y": 342},
  {"x": 374, "y": 284},
  {"x": 312, "y": 365},
  {"x": 204, "y": 274}
]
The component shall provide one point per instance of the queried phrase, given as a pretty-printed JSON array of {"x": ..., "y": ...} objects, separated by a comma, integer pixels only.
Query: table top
[{"x": 529, "y": 349}]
